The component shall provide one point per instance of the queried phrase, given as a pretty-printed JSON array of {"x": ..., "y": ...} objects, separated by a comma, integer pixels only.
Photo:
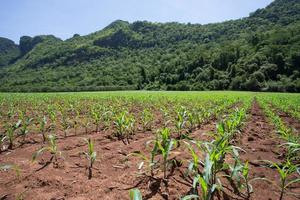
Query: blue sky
[{"x": 63, "y": 18}]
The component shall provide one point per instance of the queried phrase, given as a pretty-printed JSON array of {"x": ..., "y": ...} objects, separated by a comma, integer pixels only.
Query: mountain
[
  {"x": 9, "y": 51},
  {"x": 259, "y": 53}
]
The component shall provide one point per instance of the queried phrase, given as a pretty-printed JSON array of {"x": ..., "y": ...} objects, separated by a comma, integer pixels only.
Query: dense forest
[{"x": 257, "y": 53}]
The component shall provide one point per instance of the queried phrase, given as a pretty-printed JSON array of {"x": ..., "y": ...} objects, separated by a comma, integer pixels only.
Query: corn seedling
[
  {"x": 85, "y": 122},
  {"x": 42, "y": 127},
  {"x": 124, "y": 124},
  {"x": 52, "y": 116},
  {"x": 91, "y": 156},
  {"x": 106, "y": 117},
  {"x": 240, "y": 174},
  {"x": 10, "y": 133},
  {"x": 95, "y": 114},
  {"x": 162, "y": 145},
  {"x": 166, "y": 116},
  {"x": 285, "y": 171},
  {"x": 193, "y": 167},
  {"x": 235, "y": 120},
  {"x": 51, "y": 148},
  {"x": 214, "y": 163},
  {"x": 180, "y": 121},
  {"x": 165, "y": 144},
  {"x": 65, "y": 123},
  {"x": 207, "y": 181},
  {"x": 150, "y": 162},
  {"x": 146, "y": 118},
  {"x": 192, "y": 120},
  {"x": 24, "y": 127}
]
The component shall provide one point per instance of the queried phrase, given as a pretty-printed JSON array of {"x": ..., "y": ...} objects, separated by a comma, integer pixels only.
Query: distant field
[
  {"x": 168, "y": 145},
  {"x": 144, "y": 94}
]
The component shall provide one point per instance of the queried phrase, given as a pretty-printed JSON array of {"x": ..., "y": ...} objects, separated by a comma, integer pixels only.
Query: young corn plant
[
  {"x": 85, "y": 122},
  {"x": 24, "y": 127},
  {"x": 163, "y": 144},
  {"x": 214, "y": 163},
  {"x": 124, "y": 124},
  {"x": 91, "y": 156},
  {"x": 193, "y": 167},
  {"x": 215, "y": 151},
  {"x": 42, "y": 127},
  {"x": 235, "y": 120},
  {"x": 285, "y": 171},
  {"x": 10, "y": 133},
  {"x": 192, "y": 120},
  {"x": 107, "y": 117},
  {"x": 204, "y": 114},
  {"x": 65, "y": 123},
  {"x": 166, "y": 115},
  {"x": 240, "y": 175},
  {"x": 207, "y": 180},
  {"x": 107, "y": 114},
  {"x": 147, "y": 118},
  {"x": 51, "y": 148},
  {"x": 180, "y": 121},
  {"x": 151, "y": 163},
  {"x": 53, "y": 117},
  {"x": 96, "y": 117}
]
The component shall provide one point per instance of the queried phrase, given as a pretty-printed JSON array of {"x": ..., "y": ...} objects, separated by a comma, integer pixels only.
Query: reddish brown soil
[
  {"x": 260, "y": 142},
  {"x": 114, "y": 173}
]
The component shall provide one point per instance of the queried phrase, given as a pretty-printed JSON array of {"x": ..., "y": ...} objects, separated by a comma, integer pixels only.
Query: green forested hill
[
  {"x": 9, "y": 51},
  {"x": 259, "y": 53}
]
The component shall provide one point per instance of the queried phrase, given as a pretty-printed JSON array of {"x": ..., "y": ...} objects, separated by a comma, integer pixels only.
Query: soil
[
  {"x": 260, "y": 142},
  {"x": 115, "y": 173}
]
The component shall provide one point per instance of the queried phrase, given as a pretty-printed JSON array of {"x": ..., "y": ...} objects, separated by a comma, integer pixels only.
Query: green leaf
[
  {"x": 196, "y": 180},
  {"x": 204, "y": 185},
  {"x": 135, "y": 194}
]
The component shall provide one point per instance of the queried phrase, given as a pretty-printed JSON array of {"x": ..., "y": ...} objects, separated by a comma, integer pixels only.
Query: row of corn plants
[
  {"x": 286, "y": 133},
  {"x": 209, "y": 166},
  {"x": 289, "y": 169}
]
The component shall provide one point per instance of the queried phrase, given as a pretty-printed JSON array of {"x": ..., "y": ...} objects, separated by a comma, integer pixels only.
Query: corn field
[{"x": 150, "y": 145}]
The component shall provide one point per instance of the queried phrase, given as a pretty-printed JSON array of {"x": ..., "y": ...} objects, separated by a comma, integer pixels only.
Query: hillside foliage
[{"x": 257, "y": 53}]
